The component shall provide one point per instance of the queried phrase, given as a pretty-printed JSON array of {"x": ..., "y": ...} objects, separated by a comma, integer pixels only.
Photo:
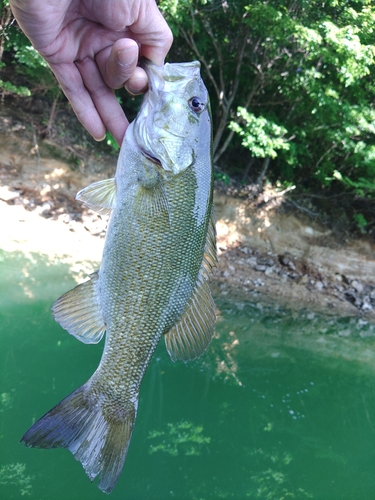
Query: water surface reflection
[{"x": 281, "y": 406}]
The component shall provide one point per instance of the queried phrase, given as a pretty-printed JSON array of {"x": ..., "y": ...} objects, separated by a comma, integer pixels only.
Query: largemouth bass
[{"x": 159, "y": 250}]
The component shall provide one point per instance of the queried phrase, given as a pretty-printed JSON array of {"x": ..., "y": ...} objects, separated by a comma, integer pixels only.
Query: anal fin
[{"x": 78, "y": 311}]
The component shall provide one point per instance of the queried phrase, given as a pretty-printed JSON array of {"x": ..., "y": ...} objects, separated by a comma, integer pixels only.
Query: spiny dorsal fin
[
  {"x": 190, "y": 337},
  {"x": 78, "y": 311},
  {"x": 99, "y": 196}
]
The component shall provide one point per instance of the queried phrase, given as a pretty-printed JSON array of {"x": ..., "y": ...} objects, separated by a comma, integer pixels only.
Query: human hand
[{"x": 93, "y": 47}]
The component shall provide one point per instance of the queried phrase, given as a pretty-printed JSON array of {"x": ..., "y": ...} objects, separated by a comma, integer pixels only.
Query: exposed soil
[{"x": 267, "y": 252}]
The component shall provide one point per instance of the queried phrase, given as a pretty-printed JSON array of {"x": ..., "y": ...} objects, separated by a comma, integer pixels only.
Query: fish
[{"x": 153, "y": 280}]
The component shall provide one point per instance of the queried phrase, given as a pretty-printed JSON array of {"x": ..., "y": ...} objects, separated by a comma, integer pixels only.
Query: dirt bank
[{"x": 291, "y": 259}]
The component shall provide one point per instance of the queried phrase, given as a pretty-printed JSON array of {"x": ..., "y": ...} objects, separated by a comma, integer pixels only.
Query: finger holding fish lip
[
  {"x": 121, "y": 70},
  {"x": 120, "y": 67},
  {"x": 117, "y": 62},
  {"x": 138, "y": 82}
]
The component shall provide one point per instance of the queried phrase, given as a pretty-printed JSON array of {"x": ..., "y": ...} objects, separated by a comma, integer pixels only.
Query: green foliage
[
  {"x": 222, "y": 177},
  {"x": 291, "y": 80},
  {"x": 20, "y": 54},
  {"x": 111, "y": 142},
  {"x": 29, "y": 57},
  {"x": 362, "y": 186},
  {"x": 361, "y": 222},
  {"x": 9, "y": 88},
  {"x": 261, "y": 136}
]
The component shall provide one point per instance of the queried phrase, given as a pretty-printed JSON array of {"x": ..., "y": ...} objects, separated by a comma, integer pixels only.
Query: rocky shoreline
[
  {"x": 277, "y": 257},
  {"x": 246, "y": 273}
]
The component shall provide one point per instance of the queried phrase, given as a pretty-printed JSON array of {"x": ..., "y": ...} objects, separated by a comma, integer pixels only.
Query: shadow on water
[{"x": 281, "y": 406}]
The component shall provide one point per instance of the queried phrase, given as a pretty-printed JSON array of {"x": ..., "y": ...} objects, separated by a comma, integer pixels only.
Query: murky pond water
[{"x": 281, "y": 406}]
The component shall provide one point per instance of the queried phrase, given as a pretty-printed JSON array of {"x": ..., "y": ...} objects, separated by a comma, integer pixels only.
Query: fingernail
[
  {"x": 101, "y": 139},
  {"x": 123, "y": 56},
  {"x": 133, "y": 91}
]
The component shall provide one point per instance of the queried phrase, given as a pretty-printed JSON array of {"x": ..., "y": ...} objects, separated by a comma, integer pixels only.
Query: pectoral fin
[
  {"x": 190, "y": 337},
  {"x": 151, "y": 202},
  {"x": 78, "y": 311},
  {"x": 99, "y": 196}
]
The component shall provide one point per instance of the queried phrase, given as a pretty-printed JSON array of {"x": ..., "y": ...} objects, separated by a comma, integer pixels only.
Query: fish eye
[{"x": 196, "y": 104}]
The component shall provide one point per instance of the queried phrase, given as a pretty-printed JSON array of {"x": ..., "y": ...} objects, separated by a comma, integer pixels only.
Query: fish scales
[{"x": 152, "y": 282}]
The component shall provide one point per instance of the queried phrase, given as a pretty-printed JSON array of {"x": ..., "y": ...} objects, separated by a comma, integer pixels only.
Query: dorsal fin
[
  {"x": 191, "y": 335},
  {"x": 210, "y": 252},
  {"x": 99, "y": 196}
]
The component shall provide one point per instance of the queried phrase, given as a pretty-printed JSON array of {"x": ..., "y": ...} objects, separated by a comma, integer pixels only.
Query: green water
[{"x": 282, "y": 406}]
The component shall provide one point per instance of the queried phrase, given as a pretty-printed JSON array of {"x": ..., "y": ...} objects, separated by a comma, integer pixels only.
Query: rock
[
  {"x": 245, "y": 250},
  {"x": 305, "y": 279},
  {"x": 284, "y": 260},
  {"x": 358, "y": 303},
  {"x": 357, "y": 286},
  {"x": 292, "y": 265},
  {"x": 366, "y": 306},
  {"x": 262, "y": 261},
  {"x": 259, "y": 267},
  {"x": 258, "y": 282},
  {"x": 7, "y": 194},
  {"x": 252, "y": 261},
  {"x": 350, "y": 295}
]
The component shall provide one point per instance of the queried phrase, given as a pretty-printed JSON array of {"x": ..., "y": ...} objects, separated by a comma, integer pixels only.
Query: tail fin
[{"x": 98, "y": 439}]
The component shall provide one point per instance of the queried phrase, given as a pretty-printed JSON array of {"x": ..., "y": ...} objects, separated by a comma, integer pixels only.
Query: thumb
[{"x": 117, "y": 63}]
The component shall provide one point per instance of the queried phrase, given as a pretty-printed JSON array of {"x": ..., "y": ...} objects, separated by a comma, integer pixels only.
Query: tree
[
  {"x": 17, "y": 54},
  {"x": 297, "y": 75}
]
